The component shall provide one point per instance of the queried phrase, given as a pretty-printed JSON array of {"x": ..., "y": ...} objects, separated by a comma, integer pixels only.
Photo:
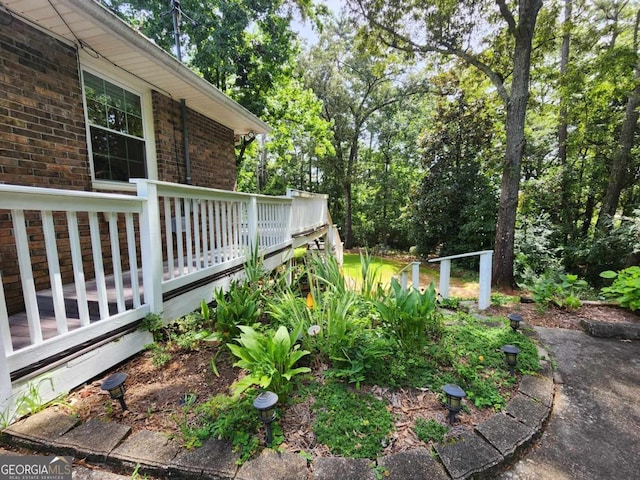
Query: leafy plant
[
  {"x": 160, "y": 354},
  {"x": 153, "y": 323},
  {"x": 430, "y": 430},
  {"x": 411, "y": 315},
  {"x": 238, "y": 306},
  {"x": 232, "y": 419},
  {"x": 268, "y": 357},
  {"x": 29, "y": 402},
  {"x": 351, "y": 424},
  {"x": 370, "y": 287},
  {"x": 562, "y": 290},
  {"x": 625, "y": 289}
]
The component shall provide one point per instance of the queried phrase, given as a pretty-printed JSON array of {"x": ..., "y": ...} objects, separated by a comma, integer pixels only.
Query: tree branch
[{"x": 506, "y": 14}]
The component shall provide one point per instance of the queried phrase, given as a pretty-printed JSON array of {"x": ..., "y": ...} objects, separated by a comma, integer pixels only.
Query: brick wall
[
  {"x": 43, "y": 143},
  {"x": 42, "y": 135},
  {"x": 210, "y": 147}
]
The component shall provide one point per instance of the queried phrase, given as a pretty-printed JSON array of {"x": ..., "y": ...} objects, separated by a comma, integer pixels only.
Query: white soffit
[{"x": 91, "y": 24}]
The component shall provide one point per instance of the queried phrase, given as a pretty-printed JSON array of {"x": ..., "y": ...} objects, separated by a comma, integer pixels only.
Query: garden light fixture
[
  {"x": 115, "y": 386},
  {"x": 511, "y": 356},
  {"x": 454, "y": 400},
  {"x": 514, "y": 321},
  {"x": 265, "y": 404}
]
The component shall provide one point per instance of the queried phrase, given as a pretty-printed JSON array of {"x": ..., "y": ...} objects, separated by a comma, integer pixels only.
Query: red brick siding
[
  {"x": 42, "y": 135},
  {"x": 210, "y": 146}
]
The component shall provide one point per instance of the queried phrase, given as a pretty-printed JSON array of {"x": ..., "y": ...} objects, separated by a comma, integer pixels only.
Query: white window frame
[{"x": 120, "y": 78}]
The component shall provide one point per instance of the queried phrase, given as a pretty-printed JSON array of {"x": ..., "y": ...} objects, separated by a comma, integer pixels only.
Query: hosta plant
[
  {"x": 625, "y": 289},
  {"x": 269, "y": 358}
]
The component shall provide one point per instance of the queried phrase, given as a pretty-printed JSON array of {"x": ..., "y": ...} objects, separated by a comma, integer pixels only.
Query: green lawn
[{"x": 463, "y": 283}]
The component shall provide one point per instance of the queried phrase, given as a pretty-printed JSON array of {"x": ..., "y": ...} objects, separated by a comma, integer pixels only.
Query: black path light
[
  {"x": 115, "y": 386},
  {"x": 511, "y": 356},
  {"x": 265, "y": 404},
  {"x": 514, "y": 321},
  {"x": 454, "y": 400}
]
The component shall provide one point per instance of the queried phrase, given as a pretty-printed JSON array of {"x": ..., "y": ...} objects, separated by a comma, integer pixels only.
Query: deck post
[
  {"x": 445, "y": 273},
  {"x": 151, "y": 245},
  {"x": 416, "y": 275},
  {"x": 484, "y": 297},
  {"x": 252, "y": 220}
]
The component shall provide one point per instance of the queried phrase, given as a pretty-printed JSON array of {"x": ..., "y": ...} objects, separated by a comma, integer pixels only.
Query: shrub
[
  {"x": 411, "y": 315},
  {"x": 269, "y": 358},
  {"x": 238, "y": 306},
  {"x": 625, "y": 289},
  {"x": 562, "y": 290}
]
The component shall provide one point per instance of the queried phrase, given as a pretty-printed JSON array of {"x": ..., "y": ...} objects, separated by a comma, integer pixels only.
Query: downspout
[
  {"x": 185, "y": 138},
  {"x": 176, "y": 11}
]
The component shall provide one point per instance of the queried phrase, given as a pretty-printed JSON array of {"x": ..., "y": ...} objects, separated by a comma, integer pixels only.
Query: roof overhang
[{"x": 88, "y": 24}]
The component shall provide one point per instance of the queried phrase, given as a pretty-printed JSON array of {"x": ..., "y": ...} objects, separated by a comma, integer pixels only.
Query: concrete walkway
[{"x": 594, "y": 429}]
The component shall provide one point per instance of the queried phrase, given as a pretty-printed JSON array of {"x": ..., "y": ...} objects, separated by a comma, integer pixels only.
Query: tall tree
[
  {"x": 620, "y": 170},
  {"x": 453, "y": 28},
  {"x": 353, "y": 86},
  {"x": 243, "y": 47}
]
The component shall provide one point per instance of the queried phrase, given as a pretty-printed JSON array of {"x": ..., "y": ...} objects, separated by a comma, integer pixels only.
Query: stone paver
[
  {"x": 151, "y": 449},
  {"x": 505, "y": 433},
  {"x": 43, "y": 427},
  {"x": 416, "y": 464},
  {"x": 527, "y": 410},
  {"x": 271, "y": 465},
  {"x": 594, "y": 430},
  {"x": 538, "y": 388},
  {"x": 93, "y": 440},
  {"x": 215, "y": 459},
  {"x": 338, "y": 468},
  {"x": 467, "y": 456}
]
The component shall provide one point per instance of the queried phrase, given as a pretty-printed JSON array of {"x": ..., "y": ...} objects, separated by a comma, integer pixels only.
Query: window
[{"x": 116, "y": 130}]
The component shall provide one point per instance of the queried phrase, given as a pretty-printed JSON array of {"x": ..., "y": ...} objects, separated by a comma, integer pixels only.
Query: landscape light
[
  {"x": 511, "y": 356},
  {"x": 514, "y": 320},
  {"x": 265, "y": 404},
  {"x": 454, "y": 400},
  {"x": 115, "y": 386}
]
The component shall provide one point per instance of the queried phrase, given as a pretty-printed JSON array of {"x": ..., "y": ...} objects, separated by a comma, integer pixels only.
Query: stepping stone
[
  {"x": 538, "y": 388},
  {"x": 43, "y": 427},
  {"x": 338, "y": 468},
  {"x": 274, "y": 465},
  {"x": 505, "y": 433},
  {"x": 215, "y": 459},
  {"x": 527, "y": 410},
  {"x": 146, "y": 448},
  {"x": 416, "y": 464},
  {"x": 469, "y": 455},
  {"x": 93, "y": 440}
]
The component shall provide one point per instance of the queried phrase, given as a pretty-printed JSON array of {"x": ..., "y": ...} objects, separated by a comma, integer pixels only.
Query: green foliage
[
  {"x": 230, "y": 419},
  {"x": 455, "y": 209},
  {"x": 411, "y": 315},
  {"x": 430, "y": 430},
  {"x": 469, "y": 355},
  {"x": 562, "y": 290},
  {"x": 625, "y": 289},
  {"x": 29, "y": 402},
  {"x": 269, "y": 359},
  {"x": 370, "y": 286},
  {"x": 238, "y": 306},
  {"x": 351, "y": 424},
  {"x": 153, "y": 323},
  {"x": 160, "y": 354}
]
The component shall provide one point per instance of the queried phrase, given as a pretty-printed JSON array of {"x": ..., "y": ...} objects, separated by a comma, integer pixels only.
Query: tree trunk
[
  {"x": 622, "y": 157},
  {"x": 516, "y": 113},
  {"x": 565, "y": 202},
  {"x": 348, "y": 222}
]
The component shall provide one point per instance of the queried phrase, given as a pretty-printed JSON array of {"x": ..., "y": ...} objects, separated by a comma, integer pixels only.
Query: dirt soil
[{"x": 155, "y": 396}]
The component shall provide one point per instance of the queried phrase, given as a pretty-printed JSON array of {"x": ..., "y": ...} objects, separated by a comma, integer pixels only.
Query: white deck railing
[
  {"x": 100, "y": 262},
  {"x": 486, "y": 256}
]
